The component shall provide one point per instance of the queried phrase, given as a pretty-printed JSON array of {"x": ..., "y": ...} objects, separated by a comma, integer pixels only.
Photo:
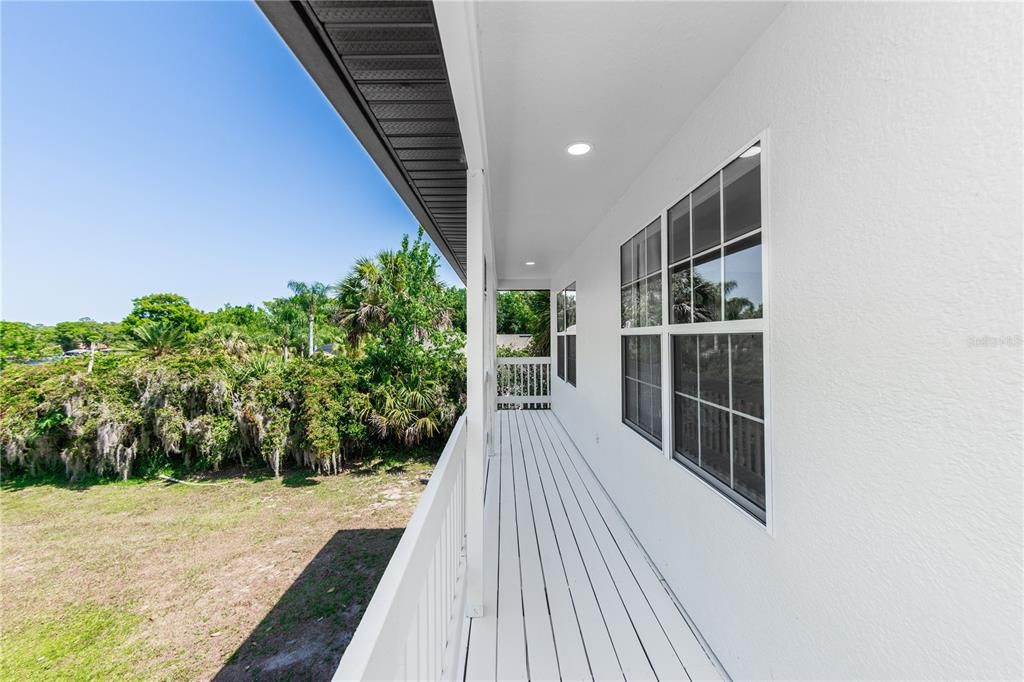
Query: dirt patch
[{"x": 253, "y": 579}]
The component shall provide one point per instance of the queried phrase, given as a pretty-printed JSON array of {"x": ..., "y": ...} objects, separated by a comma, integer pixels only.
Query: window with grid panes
[
  {"x": 715, "y": 276},
  {"x": 565, "y": 347},
  {"x": 640, "y": 278}
]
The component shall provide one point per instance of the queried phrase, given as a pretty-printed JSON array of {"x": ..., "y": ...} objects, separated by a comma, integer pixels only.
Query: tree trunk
[
  {"x": 92, "y": 356},
  {"x": 284, "y": 355},
  {"x": 309, "y": 344}
]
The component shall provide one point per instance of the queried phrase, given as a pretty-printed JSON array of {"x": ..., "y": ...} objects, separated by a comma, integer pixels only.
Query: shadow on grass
[
  {"x": 56, "y": 480},
  {"x": 373, "y": 460},
  {"x": 305, "y": 634}
]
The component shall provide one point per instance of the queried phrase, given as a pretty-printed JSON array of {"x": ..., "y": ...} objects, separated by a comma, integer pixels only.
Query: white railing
[
  {"x": 524, "y": 383},
  {"x": 412, "y": 626}
]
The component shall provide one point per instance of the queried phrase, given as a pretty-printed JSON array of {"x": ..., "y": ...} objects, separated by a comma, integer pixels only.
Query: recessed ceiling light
[
  {"x": 753, "y": 151},
  {"x": 578, "y": 148},
  {"x": 530, "y": 262}
]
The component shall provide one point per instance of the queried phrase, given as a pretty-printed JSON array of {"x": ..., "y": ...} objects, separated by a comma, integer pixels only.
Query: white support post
[{"x": 476, "y": 398}]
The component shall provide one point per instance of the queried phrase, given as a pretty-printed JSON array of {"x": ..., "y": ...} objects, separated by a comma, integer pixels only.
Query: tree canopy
[{"x": 175, "y": 386}]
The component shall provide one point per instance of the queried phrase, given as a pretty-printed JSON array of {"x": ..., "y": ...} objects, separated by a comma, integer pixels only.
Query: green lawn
[{"x": 252, "y": 578}]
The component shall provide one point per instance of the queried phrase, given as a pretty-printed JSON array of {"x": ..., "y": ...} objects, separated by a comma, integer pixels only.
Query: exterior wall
[{"x": 895, "y": 242}]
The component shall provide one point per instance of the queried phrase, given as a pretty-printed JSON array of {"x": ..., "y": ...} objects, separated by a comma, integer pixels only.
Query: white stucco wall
[{"x": 895, "y": 227}]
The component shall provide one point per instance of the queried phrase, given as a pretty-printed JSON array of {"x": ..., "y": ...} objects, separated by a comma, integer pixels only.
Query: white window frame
[{"x": 760, "y": 326}]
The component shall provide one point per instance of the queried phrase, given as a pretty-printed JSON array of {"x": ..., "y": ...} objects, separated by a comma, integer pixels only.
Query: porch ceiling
[
  {"x": 380, "y": 64},
  {"x": 621, "y": 76}
]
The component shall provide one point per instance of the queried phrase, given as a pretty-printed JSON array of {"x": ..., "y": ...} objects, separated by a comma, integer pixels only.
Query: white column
[{"x": 476, "y": 399}]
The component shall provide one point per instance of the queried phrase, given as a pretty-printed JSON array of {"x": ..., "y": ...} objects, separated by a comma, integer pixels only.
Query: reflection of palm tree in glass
[{"x": 705, "y": 303}]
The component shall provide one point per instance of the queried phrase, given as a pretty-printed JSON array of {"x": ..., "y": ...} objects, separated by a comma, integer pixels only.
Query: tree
[
  {"x": 311, "y": 298},
  {"x": 71, "y": 335},
  {"x": 515, "y": 316},
  {"x": 158, "y": 338},
  {"x": 20, "y": 341},
  {"x": 398, "y": 315},
  {"x": 173, "y": 309},
  {"x": 285, "y": 323},
  {"x": 539, "y": 303}
]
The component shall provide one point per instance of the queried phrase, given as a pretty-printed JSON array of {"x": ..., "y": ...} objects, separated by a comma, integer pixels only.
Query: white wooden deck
[{"x": 568, "y": 593}]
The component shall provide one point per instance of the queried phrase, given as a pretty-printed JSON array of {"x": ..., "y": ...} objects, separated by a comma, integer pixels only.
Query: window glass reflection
[
  {"x": 742, "y": 195},
  {"x": 679, "y": 231},
  {"x": 707, "y": 288},
  {"x": 748, "y": 460},
  {"x": 685, "y": 428},
  {"x": 714, "y": 368},
  {"x": 714, "y": 442},
  {"x": 707, "y": 225},
  {"x": 743, "y": 299},
  {"x": 684, "y": 364},
  {"x": 682, "y": 300},
  {"x": 748, "y": 373}
]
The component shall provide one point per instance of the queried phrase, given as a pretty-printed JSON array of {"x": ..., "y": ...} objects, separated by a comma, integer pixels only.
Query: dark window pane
[
  {"x": 631, "y": 361},
  {"x": 653, "y": 239},
  {"x": 707, "y": 224},
  {"x": 743, "y": 279},
  {"x": 626, "y": 271},
  {"x": 684, "y": 427},
  {"x": 561, "y": 357},
  {"x": 570, "y": 306},
  {"x": 652, "y": 301},
  {"x": 742, "y": 198},
  {"x": 646, "y": 360},
  {"x": 646, "y": 408},
  {"x": 714, "y": 442},
  {"x": 684, "y": 364},
  {"x": 627, "y": 306},
  {"x": 748, "y": 373},
  {"x": 707, "y": 288},
  {"x": 641, "y": 303},
  {"x": 679, "y": 231},
  {"x": 656, "y": 417},
  {"x": 714, "y": 368},
  {"x": 682, "y": 301},
  {"x": 651, "y": 414},
  {"x": 639, "y": 256},
  {"x": 748, "y": 462},
  {"x": 560, "y": 310},
  {"x": 632, "y": 402},
  {"x": 570, "y": 359}
]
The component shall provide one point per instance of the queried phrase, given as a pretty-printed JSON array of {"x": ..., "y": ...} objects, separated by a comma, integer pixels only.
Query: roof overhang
[{"x": 381, "y": 66}]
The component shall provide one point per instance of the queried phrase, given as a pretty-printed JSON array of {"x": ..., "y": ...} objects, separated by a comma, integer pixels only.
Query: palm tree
[
  {"x": 540, "y": 336},
  {"x": 361, "y": 305},
  {"x": 286, "y": 323},
  {"x": 158, "y": 338},
  {"x": 310, "y": 298}
]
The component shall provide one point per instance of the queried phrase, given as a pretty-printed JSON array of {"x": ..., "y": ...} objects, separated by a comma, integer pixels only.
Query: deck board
[{"x": 568, "y": 594}]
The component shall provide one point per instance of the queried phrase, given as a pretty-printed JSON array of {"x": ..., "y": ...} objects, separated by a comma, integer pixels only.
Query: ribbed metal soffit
[{"x": 391, "y": 52}]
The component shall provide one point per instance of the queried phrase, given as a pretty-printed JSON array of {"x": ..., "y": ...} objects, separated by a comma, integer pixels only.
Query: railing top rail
[
  {"x": 370, "y": 654},
  {"x": 546, "y": 360}
]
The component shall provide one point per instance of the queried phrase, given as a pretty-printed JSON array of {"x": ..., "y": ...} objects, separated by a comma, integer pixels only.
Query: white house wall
[{"x": 894, "y": 180}]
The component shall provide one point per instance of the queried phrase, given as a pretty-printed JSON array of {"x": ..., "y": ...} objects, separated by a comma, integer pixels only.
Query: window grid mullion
[
  {"x": 692, "y": 294},
  {"x": 721, "y": 243},
  {"x": 700, "y": 439},
  {"x": 732, "y": 464}
]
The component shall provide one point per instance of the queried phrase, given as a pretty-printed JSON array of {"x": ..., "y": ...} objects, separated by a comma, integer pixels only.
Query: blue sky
[{"x": 151, "y": 147}]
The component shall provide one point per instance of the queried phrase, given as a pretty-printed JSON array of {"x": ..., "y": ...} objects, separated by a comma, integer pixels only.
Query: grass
[{"x": 253, "y": 577}]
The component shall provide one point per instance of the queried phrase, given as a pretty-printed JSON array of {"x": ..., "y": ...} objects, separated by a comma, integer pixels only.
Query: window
[
  {"x": 566, "y": 342},
  {"x": 715, "y": 246},
  {"x": 641, "y": 385},
  {"x": 715, "y": 276},
  {"x": 640, "y": 277},
  {"x": 718, "y": 413}
]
